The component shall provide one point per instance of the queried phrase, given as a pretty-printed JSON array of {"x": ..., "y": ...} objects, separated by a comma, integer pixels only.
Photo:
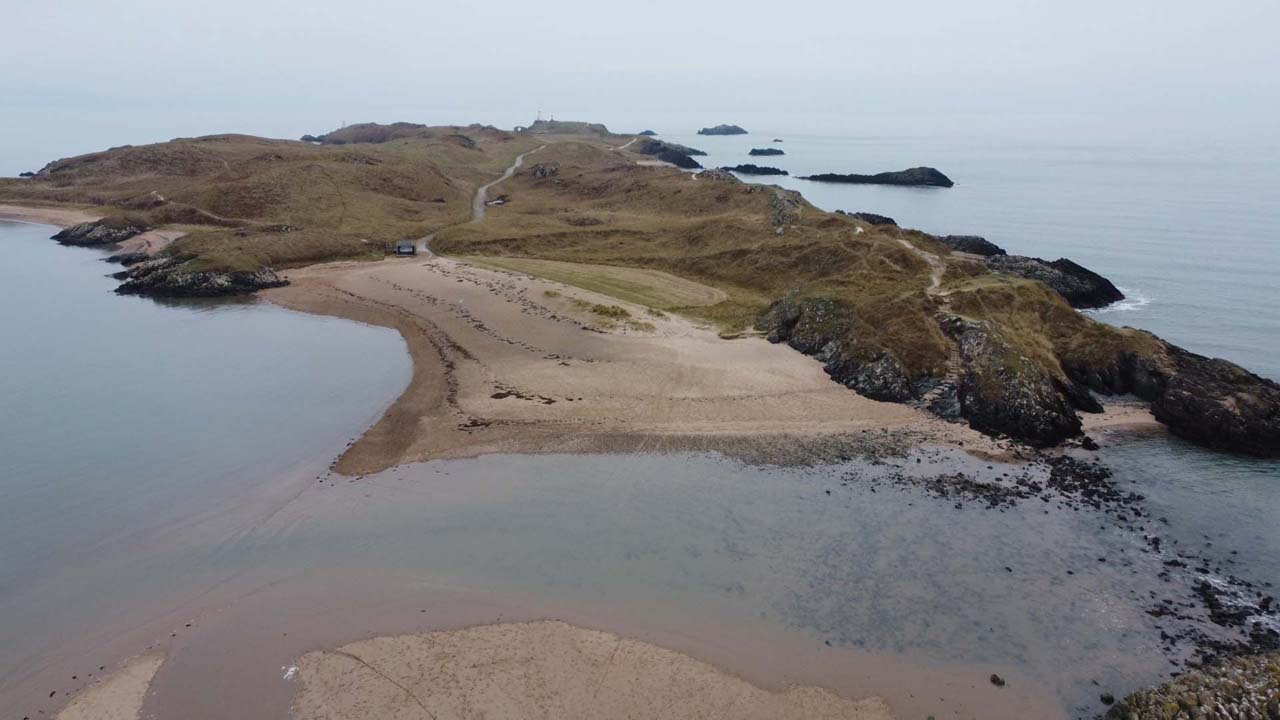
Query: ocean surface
[{"x": 157, "y": 458}]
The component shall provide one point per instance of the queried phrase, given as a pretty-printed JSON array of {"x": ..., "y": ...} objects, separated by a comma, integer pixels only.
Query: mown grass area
[{"x": 651, "y": 288}]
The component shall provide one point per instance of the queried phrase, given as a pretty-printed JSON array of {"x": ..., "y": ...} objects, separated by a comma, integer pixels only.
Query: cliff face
[{"x": 1081, "y": 287}]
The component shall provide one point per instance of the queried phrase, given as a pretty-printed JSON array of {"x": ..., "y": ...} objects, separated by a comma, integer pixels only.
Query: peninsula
[{"x": 895, "y": 315}]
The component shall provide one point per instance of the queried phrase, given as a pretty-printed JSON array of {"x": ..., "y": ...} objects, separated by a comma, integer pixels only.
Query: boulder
[
  {"x": 919, "y": 177},
  {"x": 1080, "y": 286},
  {"x": 723, "y": 130},
  {"x": 749, "y": 169},
  {"x": 974, "y": 244},
  {"x": 766, "y": 151}
]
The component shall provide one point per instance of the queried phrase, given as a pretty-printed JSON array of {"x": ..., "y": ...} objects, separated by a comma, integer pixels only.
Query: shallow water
[
  {"x": 137, "y": 438},
  {"x": 1189, "y": 231}
]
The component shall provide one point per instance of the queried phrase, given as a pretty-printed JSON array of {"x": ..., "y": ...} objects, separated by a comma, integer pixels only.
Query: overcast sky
[{"x": 78, "y": 75}]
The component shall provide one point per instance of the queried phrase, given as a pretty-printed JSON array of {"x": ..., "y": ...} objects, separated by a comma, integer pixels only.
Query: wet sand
[
  {"x": 542, "y": 669},
  {"x": 119, "y": 695},
  {"x": 505, "y": 362}
]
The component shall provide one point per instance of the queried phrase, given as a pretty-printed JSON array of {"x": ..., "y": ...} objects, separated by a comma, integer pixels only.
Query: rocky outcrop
[
  {"x": 678, "y": 155},
  {"x": 917, "y": 177},
  {"x": 1240, "y": 687},
  {"x": 127, "y": 258},
  {"x": 1217, "y": 403},
  {"x": 176, "y": 277},
  {"x": 649, "y": 146},
  {"x": 973, "y": 244},
  {"x": 543, "y": 172},
  {"x": 766, "y": 151},
  {"x": 750, "y": 169},
  {"x": 1001, "y": 392},
  {"x": 1080, "y": 286},
  {"x": 647, "y": 133},
  {"x": 723, "y": 130},
  {"x": 824, "y": 328},
  {"x": 870, "y": 218},
  {"x": 99, "y": 232}
]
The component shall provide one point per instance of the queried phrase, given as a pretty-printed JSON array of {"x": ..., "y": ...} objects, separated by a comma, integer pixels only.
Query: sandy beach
[
  {"x": 59, "y": 216},
  {"x": 505, "y": 362}
]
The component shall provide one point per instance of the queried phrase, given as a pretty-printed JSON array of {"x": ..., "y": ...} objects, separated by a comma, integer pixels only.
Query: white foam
[
  {"x": 290, "y": 671},
  {"x": 1133, "y": 300}
]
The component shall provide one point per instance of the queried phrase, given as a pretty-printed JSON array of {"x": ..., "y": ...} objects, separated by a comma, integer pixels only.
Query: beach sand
[
  {"x": 119, "y": 696},
  {"x": 59, "y": 216},
  {"x": 504, "y": 362},
  {"x": 542, "y": 670}
]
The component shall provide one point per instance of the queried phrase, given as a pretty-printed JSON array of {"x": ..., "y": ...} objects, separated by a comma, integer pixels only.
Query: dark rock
[
  {"x": 1217, "y": 403},
  {"x": 918, "y": 176},
  {"x": 974, "y": 244},
  {"x": 997, "y": 680},
  {"x": 1239, "y": 687},
  {"x": 541, "y": 171},
  {"x": 26, "y": 174},
  {"x": 824, "y": 328},
  {"x": 647, "y": 133},
  {"x": 649, "y": 146},
  {"x": 311, "y": 138},
  {"x": 678, "y": 155},
  {"x": 723, "y": 130},
  {"x": 766, "y": 151},
  {"x": 750, "y": 169},
  {"x": 679, "y": 159},
  {"x": 777, "y": 139},
  {"x": 871, "y": 218},
  {"x": 1003, "y": 392},
  {"x": 1107, "y": 698},
  {"x": 174, "y": 277},
  {"x": 1079, "y": 286},
  {"x": 99, "y": 232},
  {"x": 127, "y": 258}
]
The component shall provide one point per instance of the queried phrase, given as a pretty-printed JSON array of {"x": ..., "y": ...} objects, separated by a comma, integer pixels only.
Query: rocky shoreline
[
  {"x": 181, "y": 277},
  {"x": 1209, "y": 401}
]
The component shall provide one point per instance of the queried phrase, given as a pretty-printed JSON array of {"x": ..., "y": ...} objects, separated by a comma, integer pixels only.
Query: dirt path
[{"x": 482, "y": 194}]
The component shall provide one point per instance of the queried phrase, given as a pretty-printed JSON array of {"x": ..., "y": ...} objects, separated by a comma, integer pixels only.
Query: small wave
[{"x": 1133, "y": 300}]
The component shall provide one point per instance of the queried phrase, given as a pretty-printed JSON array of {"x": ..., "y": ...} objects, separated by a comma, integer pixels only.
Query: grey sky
[{"x": 78, "y": 75}]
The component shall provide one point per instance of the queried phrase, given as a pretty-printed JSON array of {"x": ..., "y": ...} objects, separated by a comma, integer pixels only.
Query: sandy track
[{"x": 501, "y": 366}]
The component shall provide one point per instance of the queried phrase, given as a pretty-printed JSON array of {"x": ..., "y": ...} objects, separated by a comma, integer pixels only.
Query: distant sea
[{"x": 1189, "y": 232}]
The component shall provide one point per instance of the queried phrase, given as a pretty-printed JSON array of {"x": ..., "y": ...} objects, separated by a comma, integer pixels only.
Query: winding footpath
[{"x": 478, "y": 202}]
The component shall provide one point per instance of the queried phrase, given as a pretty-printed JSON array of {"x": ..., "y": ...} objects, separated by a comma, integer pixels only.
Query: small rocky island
[
  {"x": 723, "y": 130},
  {"x": 766, "y": 151},
  {"x": 916, "y": 177},
  {"x": 750, "y": 169}
]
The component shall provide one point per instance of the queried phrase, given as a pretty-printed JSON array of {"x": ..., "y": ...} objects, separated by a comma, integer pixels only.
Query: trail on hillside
[{"x": 478, "y": 202}]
